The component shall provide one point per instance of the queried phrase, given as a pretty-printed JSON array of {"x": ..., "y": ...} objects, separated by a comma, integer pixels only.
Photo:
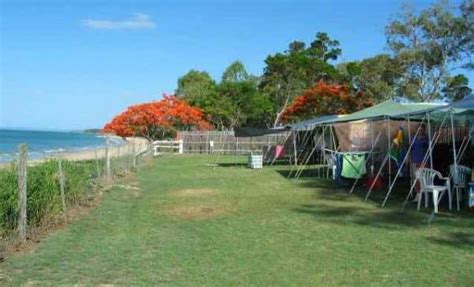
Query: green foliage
[
  {"x": 375, "y": 76},
  {"x": 288, "y": 74},
  {"x": 250, "y": 107},
  {"x": 236, "y": 72},
  {"x": 456, "y": 88},
  {"x": 429, "y": 45},
  {"x": 235, "y": 101},
  {"x": 196, "y": 87},
  {"x": 43, "y": 196}
]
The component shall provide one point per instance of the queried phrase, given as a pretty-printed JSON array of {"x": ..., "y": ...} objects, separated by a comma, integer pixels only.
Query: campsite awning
[
  {"x": 465, "y": 104},
  {"x": 311, "y": 123},
  {"x": 390, "y": 109}
]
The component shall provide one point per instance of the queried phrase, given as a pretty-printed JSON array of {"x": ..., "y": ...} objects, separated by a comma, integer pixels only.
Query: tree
[
  {"x": 467, "y": 12},
  {"x": 236, "y": 72},
  {"x": 196, "y": 87},
  {"x": 428, "y": 45},
  {"x": 288, "y": 74},
  {"x": 375, "y": 76},
  {"x": 456, "y": 88},
  {"x": 250, "y": 106},
  {"x": 157, "y": 120},
  {"x": 200, "y": 90},
  {"x": 325, "y": 99}
]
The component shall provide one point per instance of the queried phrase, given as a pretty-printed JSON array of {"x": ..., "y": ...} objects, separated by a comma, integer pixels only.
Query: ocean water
[{"x": 43, "y": 143}]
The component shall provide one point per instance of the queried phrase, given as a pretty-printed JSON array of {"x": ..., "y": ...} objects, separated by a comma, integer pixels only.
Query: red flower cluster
[
  {"x": 325, "y": 99},
  {"x": 157, "y": 119}
]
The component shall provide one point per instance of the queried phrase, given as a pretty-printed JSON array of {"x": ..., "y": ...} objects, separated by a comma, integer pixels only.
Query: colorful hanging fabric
[
  {"x": 397, "y": 150},
  {"x": 353, "y": 165}
]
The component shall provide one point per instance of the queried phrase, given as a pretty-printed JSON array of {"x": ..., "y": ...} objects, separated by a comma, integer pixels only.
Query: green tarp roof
[{"x": 390, "y": 109}]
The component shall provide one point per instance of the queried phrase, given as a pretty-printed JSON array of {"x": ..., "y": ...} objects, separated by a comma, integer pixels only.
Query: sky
[{"x": 70, "y": 65}]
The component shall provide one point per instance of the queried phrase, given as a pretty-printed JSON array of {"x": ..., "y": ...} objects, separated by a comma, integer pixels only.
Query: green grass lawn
[{"x": 193, "y": 223}]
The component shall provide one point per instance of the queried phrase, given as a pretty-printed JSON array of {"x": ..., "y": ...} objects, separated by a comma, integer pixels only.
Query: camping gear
[
  {"x": 279, "y": 151},
  {"x": 375, "y": 183},
  {"x": 353, "y": 165},
  {"x": 398, "y": 149},
  {"x": 426, "y": 177},
  {"x": 459, "y": 174},
  {"x": 255, "y": 161}
]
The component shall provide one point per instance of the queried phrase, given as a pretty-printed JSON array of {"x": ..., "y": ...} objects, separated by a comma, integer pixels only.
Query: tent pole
[
  {"x": 425, "y": 159},
  {"x": 410, "y": 170},
  {"x": 371, "y": 157},
  {"x": 382, "y": 165},
  {"x": 455, "y": 156},
  {"x": 399, "y": 170},
  {"x": 372, "y": 146},
  {"x": 284, "y": 142},
  {"x": 306, "y": 160},
  {"x": 301, "y": 169},
  {"x": 304, "y": 141},
  {"x": 389, "y": 141},
  {"x": 295, "y": 152},
  {"x": 384, "y": 162},
  {"x": 430, "y": 147}
]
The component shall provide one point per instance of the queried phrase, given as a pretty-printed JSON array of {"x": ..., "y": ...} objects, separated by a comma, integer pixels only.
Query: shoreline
[{"x": 130, "y": 144}]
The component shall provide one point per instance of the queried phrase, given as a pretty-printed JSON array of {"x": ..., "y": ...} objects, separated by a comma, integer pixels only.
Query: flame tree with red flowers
[
  {"x": 158, "y": 119},
  {"x": 325, "y": 99}
]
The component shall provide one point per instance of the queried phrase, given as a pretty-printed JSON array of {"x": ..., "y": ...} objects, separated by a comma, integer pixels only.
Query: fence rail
[{"x": 225, "y": 142}]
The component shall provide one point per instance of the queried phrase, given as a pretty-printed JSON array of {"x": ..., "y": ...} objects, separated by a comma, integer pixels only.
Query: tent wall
[{"x": 357, "y": 136}]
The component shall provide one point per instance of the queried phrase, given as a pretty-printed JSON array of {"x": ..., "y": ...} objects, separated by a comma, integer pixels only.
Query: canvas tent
[{"x": 372, "y": 130}]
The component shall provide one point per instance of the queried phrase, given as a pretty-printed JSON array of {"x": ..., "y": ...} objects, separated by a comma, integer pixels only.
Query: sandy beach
[{"x": 131, "y": 145}]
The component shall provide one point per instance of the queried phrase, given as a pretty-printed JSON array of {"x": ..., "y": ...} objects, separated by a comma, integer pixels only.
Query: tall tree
[
  {"x": 250, "y": 106},
  {"x": 196, "y": 87},
  {"x": 158, "y": 119},
  {"x": 325, "y": 99},
  {"x": 375, "y": 76},
  {"x": 287, "y": 74},
  {"x": 235, "y": 72},
  {"x": 200, "y": 90},
  {"x": 429, "y": 45},
  {"x": 467, "y": 12}
]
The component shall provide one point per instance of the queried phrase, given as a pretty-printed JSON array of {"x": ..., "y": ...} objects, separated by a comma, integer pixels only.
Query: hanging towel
[
  {"x": 353, "y": 165},
  {"x": 397, "y": 150}
]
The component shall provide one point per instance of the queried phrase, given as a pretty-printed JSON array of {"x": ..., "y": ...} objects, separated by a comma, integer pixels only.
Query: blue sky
[{"x": 75, "y": 65}]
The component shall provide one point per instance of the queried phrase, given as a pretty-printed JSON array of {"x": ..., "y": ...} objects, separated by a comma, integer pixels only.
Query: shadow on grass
[
  {"x": 359, "y": 215},
  {"x": 232, "y": 164},
  {"x": 309, "y": 172},
  {"x": 463, "y": 240}
]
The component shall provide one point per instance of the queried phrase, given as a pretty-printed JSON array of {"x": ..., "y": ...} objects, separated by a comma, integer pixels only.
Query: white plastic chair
[
  {"x": 426, "y": 178},
  {"x": 459, "y": 177}
]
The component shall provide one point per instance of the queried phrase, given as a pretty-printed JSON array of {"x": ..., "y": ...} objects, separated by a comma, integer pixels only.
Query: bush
[{"x": 43, "y": 194}]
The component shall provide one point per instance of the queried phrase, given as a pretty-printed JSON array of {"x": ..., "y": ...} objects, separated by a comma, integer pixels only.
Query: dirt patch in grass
[
  {"x": 131, "y": 191},
  {"x": 197, "y": 212},
  {"x": 192, "y": 192}
]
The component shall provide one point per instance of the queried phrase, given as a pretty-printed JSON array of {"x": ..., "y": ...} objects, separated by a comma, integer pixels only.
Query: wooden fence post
[
  {"x": 107, "y": 162},
  {"x": 61, "y": 183},
  {"x": 134, "y": 154},
  {"x": 97, "y": 164},
  {"x": 22, "y": 197}
]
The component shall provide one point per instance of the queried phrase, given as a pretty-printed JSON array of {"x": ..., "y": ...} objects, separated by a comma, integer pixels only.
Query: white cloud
[{"x": 138, "y": 21}]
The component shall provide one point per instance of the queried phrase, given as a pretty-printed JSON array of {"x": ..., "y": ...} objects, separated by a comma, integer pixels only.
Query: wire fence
[{"x": 35, "y": 192}]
